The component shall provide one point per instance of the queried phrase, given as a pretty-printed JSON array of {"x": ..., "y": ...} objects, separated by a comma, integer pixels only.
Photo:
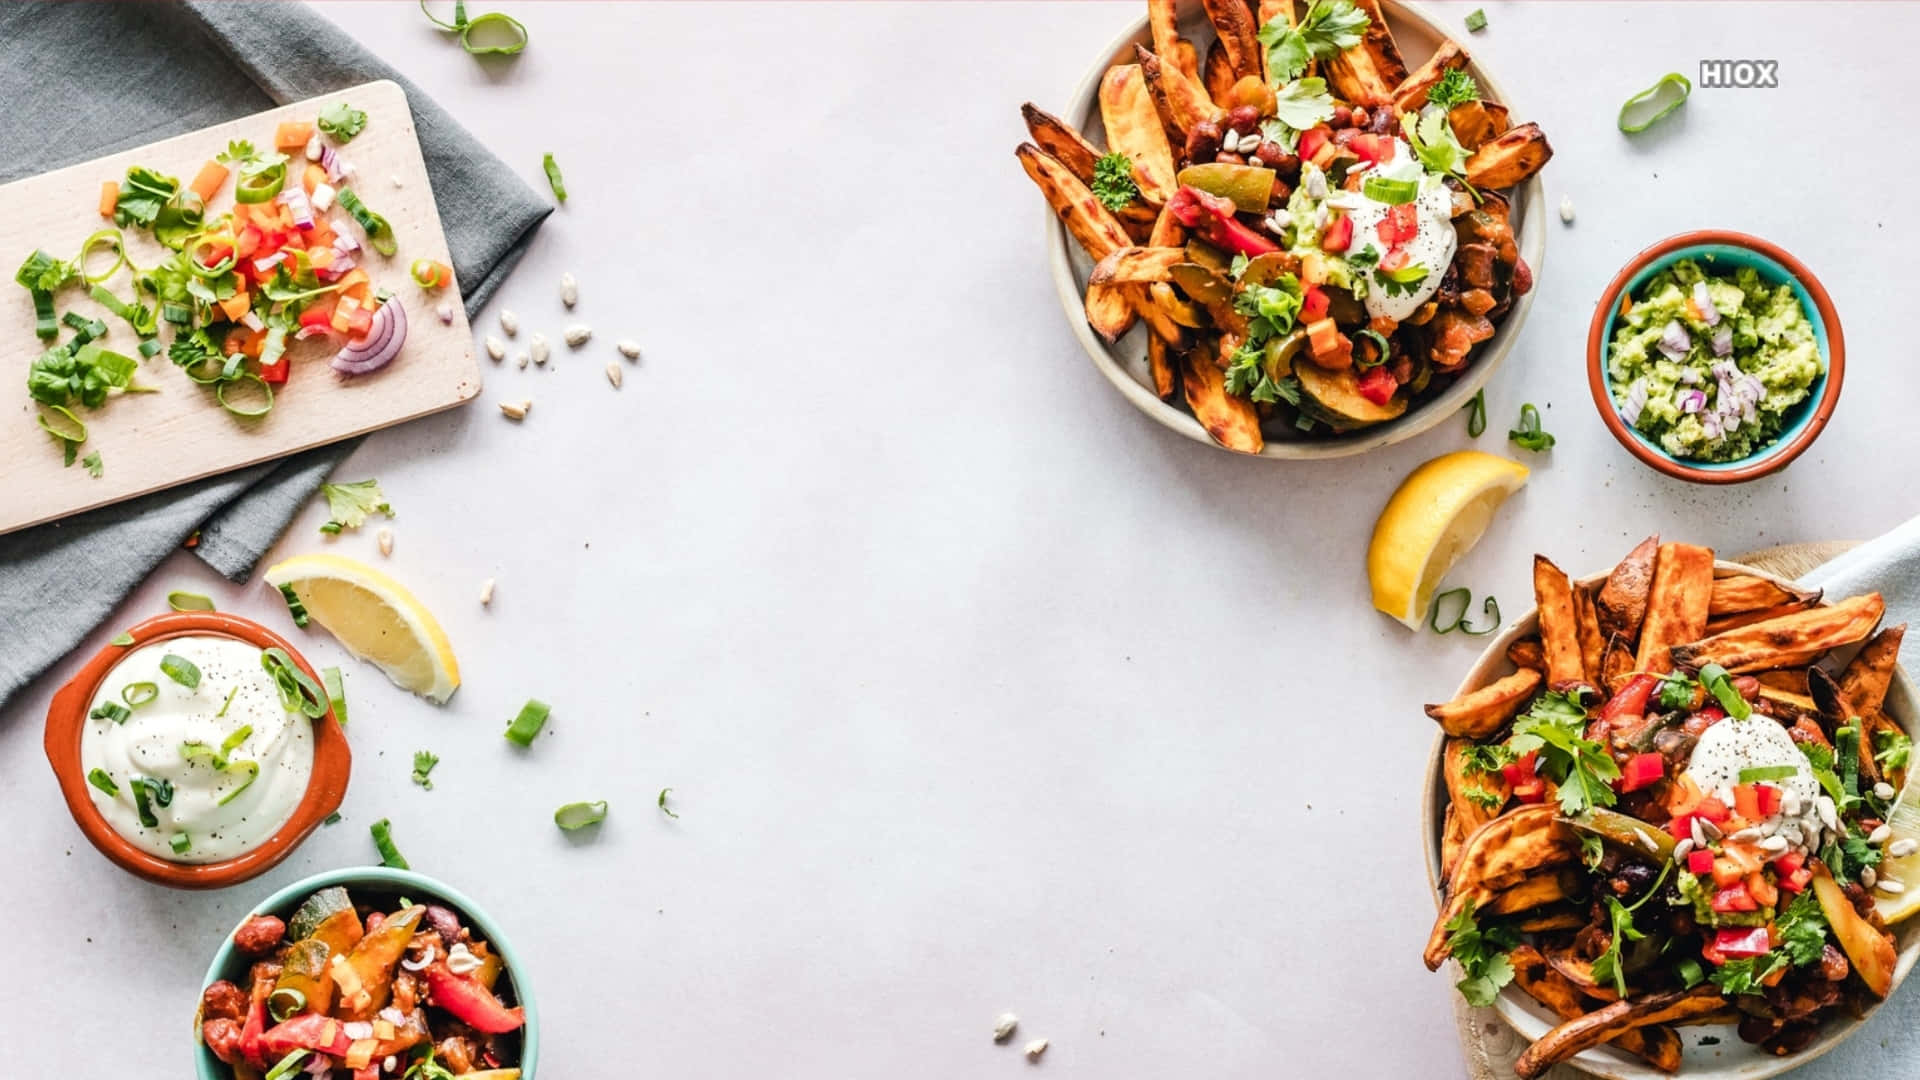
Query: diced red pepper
[
  {"x": 1746, "y": 803},
  {"x": 1680, "y": 826},
  {"x": 277, "y": 371},
  {"x": 1401, "y": 224},
  {"x": 1373, "y": 149},
  {"x": 1631, "y": 700},
  {"x": 1521, "y": 769},
  {"x": 1738, "y": 941},
  {"x": 319, "y": 316},
  {"x": 1312, "y": 139},
  {"x": 469, "y": 1002},
  {"x": 1700, "y": 861},
  {"x": 1734, "y": 898},
  {"x": 1788, "y": 862},
  {"x": 1713, "y": 714},
  {"x": 1798, "y": 880},
  {"x": 215, "y": 254},
  {"x": 1768, "y": 797},
  {"x": 1377, "y": 385},
  {"x": 1711, "y": 809},
  {"x": 1535, "y": 792},
  {"x": 1338, "y": 234},
  {"x": 1710, "y": 954},
  {"x": 308, "y": 1031},
  {"x": 1641, "y": 770},
  {"x": 1313, "y": 303},
  {"x": 1212, "y": 216}
]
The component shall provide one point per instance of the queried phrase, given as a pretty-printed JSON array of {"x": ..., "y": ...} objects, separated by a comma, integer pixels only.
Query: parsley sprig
[
  {"x": 1113, "y": 181},
  {"x": 1555, "y": 727},
  {"x": 1329, "y": 28},
  {"x": 1455, "y": 87}
]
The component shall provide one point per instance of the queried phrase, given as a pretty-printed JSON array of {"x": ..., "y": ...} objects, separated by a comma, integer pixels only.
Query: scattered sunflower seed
[
  {"x": 445, "y": 311},
  {"x": 509, "y": 322},
  {"x": 539, "y": 347},
  {"x": 486, "y": 592},
  {"x": 516, "y": 410},
  {"x": 1566, "y": 209},
  {"x": 1903, "y": 847},
  {"x": 1034, "y": 1049},
  {"x": 1889, "y": 885},
  {"x": 577, "y": 335},
  {"x": 1879, "y": 835},
  {"x": 613, "y": 373},
  {"x": 1868, "y": 875},
  {"x": 313, "y": 147},
  {"x": 629, "y": 348},
  {"x": 496, "y": 348},
  {"x": 1003, "y": 1027},
  {"x": 569, "y": 290},
  {"x": 397, "y": 182},
  {"x": 1884, "y": 791},
  {"x": 521, "y": 358},
  {"x": 385, "y": 536}
]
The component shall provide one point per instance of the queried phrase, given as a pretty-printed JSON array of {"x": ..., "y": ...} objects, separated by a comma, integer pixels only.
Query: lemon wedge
[
  {"x": 1436, "y": 516},
  {"x": 1904, "y": 820},
  {"x": 376, "y": 618}
]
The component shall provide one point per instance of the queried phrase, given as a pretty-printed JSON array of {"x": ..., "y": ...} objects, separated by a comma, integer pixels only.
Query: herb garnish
[
  {"x": 1584, "y": 770},
  {"x": 342, "y": 121},
  {"x": 423, "y": 763},
  {"x": 1329, "y": 28},
  {"x": 1455, "y": 87},
  {"x": 1529, "y": 435},
  {"x": 95, "y": 468},
  {"x": 1433, "y": 142},
  {"x": 1113, "y": 182},
  {"x": 1483, "y": 953},
  {"x": 180, "y": 670},
  {"x": 349, "y": 505},
  {"x": 1477, "y": 414},
  {"x": 1607, "y": 967},
  {"x": 1803, "y": 935}
]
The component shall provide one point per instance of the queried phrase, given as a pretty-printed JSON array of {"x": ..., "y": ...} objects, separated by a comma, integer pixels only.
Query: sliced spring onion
[
  {"x": 195, "y": 750},
  {"x": 1458, "y": 618},
  {"x": 260, "y": 409},
  {"x": 227, "y": 704},
  {"x": 1720, "y": 685},
  {"x": 104, "y": 236},
  {"x": 251, "y": 768},
  {"x": 430, "y": 273},
  {"x": 103, "y": 780},
  {"x": 260, "y": 186},
  {"x": 512, "y": 35},
  {"x": 59, "y": 422},
  {"x": 423, "y": 763},
  {"x": 294, "y": 607},
  {"x": 533, "y": 717},
  {"x": 664, "y": 808},
  {"x": 137, "y": 694},
  {"x": 1647, "y": 107},
  {"x": 1529, "y": 435},
  {"x": 176, "y": 313},
  {"x": 180, "y": 670},
  {"x": 298, "y": 692},
  {"x": 110, "y": 710},
  {"x": 331, "y": 819},
  {"x": 1390, "y": 191},
  {"x": 554, "y": 181},
  {"x": 204, "y": 269},
  {"x": 288, "y": 1065},
  {"x": 233, "y": 741},
  {"x": 459, "y": 15},
  {"x": 1380, "y": 343},
  {"x": 336, "y": 692},
  {"x": 46, "y": 323},
  {"x": 1767, "y": 772},
  {"x": 180, "y": 843},
  {"x": 1477, "y": 415},
  {"x": 383, "y": 842},
  {"x": 1476, "y": 20},
  {"x": 379, "y": 232},
  {"x": 579, "y": 815},
  {"x": 123, "y": 638},
  {"x": 284, "y": 1002},
  {"x": 1690, "y": 972},
  {"x": 189, "y": 601},
  {"x": 147, "y": 794},
  {"x": 150, "y": 348}
]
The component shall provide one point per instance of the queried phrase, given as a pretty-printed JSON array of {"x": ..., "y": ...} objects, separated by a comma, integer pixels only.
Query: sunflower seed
[
  {"x": 313, "y": 147},
  {"x": 1884, "y": 791},
  {"x": 1250, "y": 143},
  {"x": 1828, "y": 817},
  {"x": 445, "y": 311},
  {"x": 1230, "y": 140},
  {"x": 397, "y": 182},
  {"x": 1868, "y": 876},
  {"x": 1790, "y": 804},
  {"x": 520, "y": 358},
  {"x": 1709, "y": 829},
  {"x": 1646, "y": 841},
  {"x": 577, "y": 335},
  {"x": 569, "y": 290},
  {"x": 516, "y": 410},
  {"x": 1879, "y": 835},
  {"x": 629, "y": 348},
  {"x": 1034, "y": 1049},
  {"x": 1003, "y": 1027},
  {"x": 1682, "y": 849},
  {"x": 496, "y": 348},
  {"x": 1747, "y": 835},
  {"x": 539, "y": 347},
  {"x": 1775, "y": 844},
  {"x": 509, "y": 322},
  {"x": 613, "y": 373},
  {"x": 486, "y": 592},
  {"x": 385, "y": 536},
  {"x": 1699, "y": 834},
  {"x": 1890, "y": 885},
  {"x": 1566, "y": 209},
  {"x": 1903, "y": 847}
]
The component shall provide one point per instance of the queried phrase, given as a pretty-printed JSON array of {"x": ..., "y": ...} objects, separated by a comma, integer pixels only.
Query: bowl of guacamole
[{"x": 1715, "y": 357}]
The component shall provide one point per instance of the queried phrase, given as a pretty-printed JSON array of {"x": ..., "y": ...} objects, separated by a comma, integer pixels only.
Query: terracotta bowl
[
  {"x": 1730, "y": 1059},
  {"x": 1803, "y": 423},
  {"x": 66, "y": 720}
]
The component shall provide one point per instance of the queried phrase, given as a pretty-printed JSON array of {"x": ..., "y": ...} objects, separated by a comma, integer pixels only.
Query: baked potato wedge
[
  {"x": 1785, "y": 641},
  {"x": 1621, "y": 602},
  {"x": 1495, "y": 856},
  {"x": 1867, "y": 676},
  {"x": 1162, "y": 363},
  {"x": 1233, "y": 21},
  {"x": 1676, "y": 604},
  {"x": 1137, "y": 266},
  {"x": 1559, "y": 636},
  {"x": 1411, "y": 94},
  {"x": 1527, "y": 652},
  {"x": 1611, "y": 1021},
  {"x": 1134, "y": 129},
  {"x": 1179, "y": 100},
  {"x": 1656, "y": 1045},
  {"x": 1477, "y": 797},
  {"x": 1510, "y": 159},
  {"x": 1479, "y": 713},
  {"x": 1089, "y": 222},
  {"x": 1368, "y": 73},
  {"x": 1163, "y": 25},
  {"x": 1232, "y": 421},
  {"x": 1745, "y": 592}
]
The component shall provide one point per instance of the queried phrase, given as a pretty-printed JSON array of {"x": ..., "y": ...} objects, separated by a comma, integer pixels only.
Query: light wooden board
[{"x": 152, "y": 441}]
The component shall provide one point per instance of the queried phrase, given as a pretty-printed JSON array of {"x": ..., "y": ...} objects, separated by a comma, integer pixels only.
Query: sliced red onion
[
  {"x": 321, "y": 1063},
  {"x": 1692, "y": 401},
  {"x": 1702, "y": 300},
  {"x": 1636, "y": 400},
  {"x": 252, "y": 322},
  {"x": 393, "y": 1016},
  {"x": 357, "y": 1029},
  {"x": 380, "y": 346},
  {"x": 330, "y": 161},
  {"x": 1723, "y": 341},
  {"x": 1709, "y": 425},
  {"x": 307, "y": 333},
  {"x": 1675, "y": 341},
  {"x": 298, "y": 206},
  {"x": 266, "y": 265},
  {"x": 343, "y": 239},
  {"x": 1690, "y": 376}
]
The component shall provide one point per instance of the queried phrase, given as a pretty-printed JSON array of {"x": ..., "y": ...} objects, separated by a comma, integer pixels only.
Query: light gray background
[{"x": 977, "y": 690}]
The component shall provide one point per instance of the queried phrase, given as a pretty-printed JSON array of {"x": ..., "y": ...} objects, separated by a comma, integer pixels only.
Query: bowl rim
[
  {"x": 1767, "y": 459},
  {"x": 1508, "y": 1005},
  {"x": 411, "y": 882},
  {"x": 1530, "y": 232},
  {"x": 66, "y": 722}
]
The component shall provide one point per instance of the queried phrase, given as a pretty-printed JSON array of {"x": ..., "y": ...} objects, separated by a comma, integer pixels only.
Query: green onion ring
[
  {"x": 1720, "y": 685},
  {"x": 1379, "y": 339},
  {"x": 1390, "y": 191},
  {"x": 188, "y": 601},
  {"x": 137, "y": 694},
  {"x": 1491, "y": 609},
  {"x": 579, "y": 815},
  {"x": 220, "y": 395},
  {"x": 123, "y": 638},
  {"x": 233, "y": 741},
  {"x": 180, "y": 670},
  {"x": 252, "y": 769},
  {"x": 284, "y": 1002},
  {"x": 288, "y": 1065},
  {"x": 69, "y": 429},
  {"x": 494, "y": 18},
  {"x": 459, "y": 15},
  {"x": 261, "y": 186},
  {"x": 119, "y": 243},
  {"x": 533, "y": 717},
  {"x": 103, "y": 780},
  {"x": 382, "y": 831},
  {"x": 180, "y": 842},
  {"x": 110, "y": 710},
  {"x": 336, "y": 692},
  {"x": 1668, "y": 81},
  {"x": 298, "y": 691},
  {"x": 201, "y": 269}
]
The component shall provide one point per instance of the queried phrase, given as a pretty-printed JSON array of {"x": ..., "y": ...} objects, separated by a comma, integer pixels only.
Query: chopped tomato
[
  {"x": 1700, "y": 861},
  {"x": 1331, "y": 349},
  {"x": 1746, "y": 802},
  {"x": 1739, "y": 941},
  {"x": 1373, "y": 149},
  {"x": 1710, "y": 954},
  {"x": 318, "y": 315},
  {"x": 1631, "y": 700},
  {"x": 1727, "y": 873},
  {"x": 277, "y": 371},
  {"x": 1395, "y": 260},
  {"x": 215, "y": 254},
  {"x": 1768, "y": 798},
  {"x": 1761, "y": 889},
  {"x": 1378, "y": 385},
  {"x": 1788, "y": 862},
  {"x": 1713, "y": 714},
  {"x": 246, "y": 241},
  {"x": 1712, "y": 809},
  {"x": 1641, "y": 770},
  {"x": 1798, "y": 880},
  {"x": 1313, "y": 304},
  {"x": 1312, "y": 139},
  {"x": 1521, "y": 769},
  {"x": 1401, "y": 224},
  {"x": 1734, "y": 898},
  {"x": 1338, "y": 234}
]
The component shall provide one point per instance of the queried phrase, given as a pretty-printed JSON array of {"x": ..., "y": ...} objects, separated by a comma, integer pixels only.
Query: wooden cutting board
[{"x": 152, "y": 441}]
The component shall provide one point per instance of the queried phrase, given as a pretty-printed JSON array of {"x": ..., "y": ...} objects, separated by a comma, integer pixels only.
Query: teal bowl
[
  {"x": 230, "y": 963},
  {"x": 1723, "y": 250}
]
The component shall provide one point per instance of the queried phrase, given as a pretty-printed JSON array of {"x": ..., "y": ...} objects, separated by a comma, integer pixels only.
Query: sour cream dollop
[
  {"x": 1758, "y": 741},
  {"x": 1432, "y": 246},
  {"x": 177, "y": 737}
]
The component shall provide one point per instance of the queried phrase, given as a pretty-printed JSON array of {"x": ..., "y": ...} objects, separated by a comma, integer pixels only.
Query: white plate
[
  {"x": 1124, "y": 363},
  {"x": 1732, "y": 1058}
]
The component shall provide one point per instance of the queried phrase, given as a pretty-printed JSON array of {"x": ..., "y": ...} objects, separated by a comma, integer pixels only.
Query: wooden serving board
[{"x": 152, "y": 441}]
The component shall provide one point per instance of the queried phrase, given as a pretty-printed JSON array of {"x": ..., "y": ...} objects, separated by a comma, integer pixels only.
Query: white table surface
[{"x": 977, "y": 690}]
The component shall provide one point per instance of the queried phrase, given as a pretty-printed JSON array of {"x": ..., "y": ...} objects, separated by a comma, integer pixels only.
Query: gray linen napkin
[{"x": 82, "y": 80}]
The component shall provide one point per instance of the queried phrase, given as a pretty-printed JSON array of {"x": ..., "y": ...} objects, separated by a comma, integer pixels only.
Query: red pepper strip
[
  {"x": 1742, "y": 941},
  {"x": 1641, "y": 770},
  {"x": 256, "y": 1023},
  {"x": 1213, "y": 217},
  {"x": 470, "y": 1003},
  {"x": 310, "y": 1031},
  {"x": 1768, "y": 798},
  {"x": 1632, "y": 698}
]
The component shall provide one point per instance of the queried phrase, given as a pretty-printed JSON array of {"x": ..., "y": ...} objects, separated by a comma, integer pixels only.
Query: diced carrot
[
  {"x": 235, "y": 306},
  {"x": 320, "y": 235},
  {"x": 207, "y": 183},
  {"x": 354, "y": 278},
  {"x": 314, "y": 176},
  {"x": 343, "y": 311},
  {"x": 320, "y": 256},
  {"x": 109, "y": 197},
  {"x": 292, "y": 135},
  {"x": 286, "y": 216}
]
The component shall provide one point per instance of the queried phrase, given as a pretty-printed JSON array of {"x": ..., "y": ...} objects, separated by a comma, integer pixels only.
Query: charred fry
[
  {"x": 1778, "y": 642},
  {"x": 1479, "y": 713},
  {"x": 1621, "y": 603},
  {"x": 1676, "y": 605}
]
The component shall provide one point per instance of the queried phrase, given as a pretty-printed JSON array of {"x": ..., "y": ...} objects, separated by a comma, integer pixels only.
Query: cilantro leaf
[
  {"x": 1402, "y": 282},
  {"x": 45, "y": 273},
  {"x": 423, "y": 763},
  {"x": 1484, "y": 798},
  {"x": 1302, "y": 103},
  {"x": 1329, "y": 28},
  {"x": 95, "y": 467},
  {"x": 1487, "y": 759},
  {"x": 1607, "y": 967},
  {"x": 1592, "y": 850},
  {"x": 1803, "y": 929},
  {"x": 1113, "y": 181},
  {"x": 1892, "y": 749},
  {"x": 1455, "y": 87},
  {"x": 142, "y": 196},
  {"x": 237, "y": 150},
  {"x": 342, "y": 121},
  {"x": 349, "y": 505},
  {"x": 1746, "y": 975},
  {"x": 1433, "y": 142},
  {"x": 1584, "y": 770},
  {"x": 1482, "y": 953}
]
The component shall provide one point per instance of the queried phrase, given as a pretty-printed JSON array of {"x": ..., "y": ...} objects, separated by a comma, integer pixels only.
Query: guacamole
[{"x": 1709, "y": 364}]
